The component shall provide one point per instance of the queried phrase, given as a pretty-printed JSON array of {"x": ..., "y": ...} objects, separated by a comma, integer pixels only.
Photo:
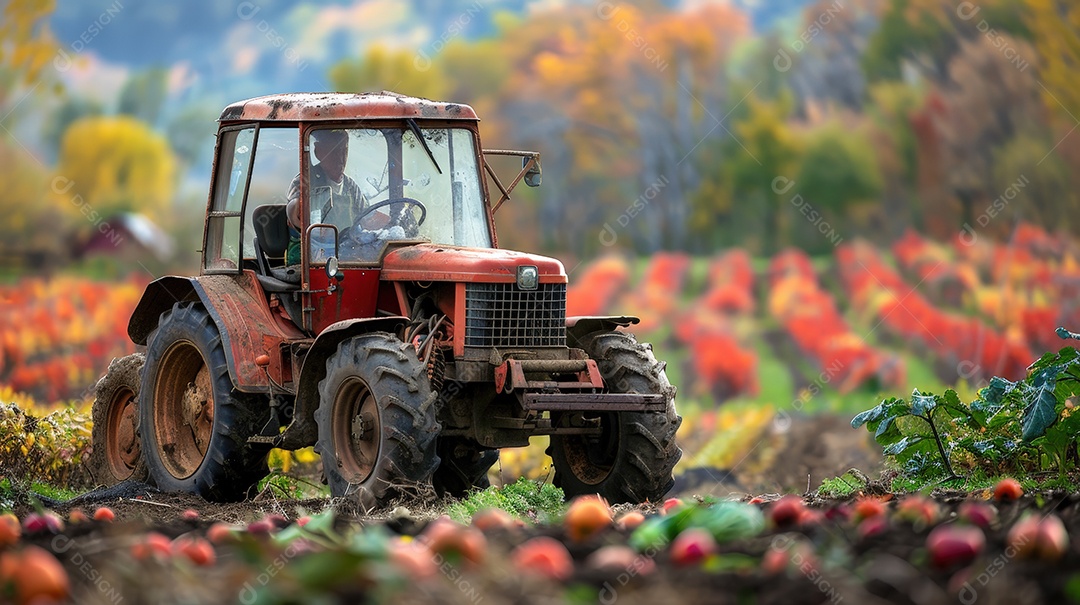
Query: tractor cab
[{"x": 313, "y": 190}]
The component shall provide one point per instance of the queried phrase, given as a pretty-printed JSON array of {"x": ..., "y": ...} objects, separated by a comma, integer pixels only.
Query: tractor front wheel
[
  {"x": 116, "y": 455},
  {"x": 631, "y": 460},
  {"x": 377, "y": 420},
  {"x": 194, "y": 425}
]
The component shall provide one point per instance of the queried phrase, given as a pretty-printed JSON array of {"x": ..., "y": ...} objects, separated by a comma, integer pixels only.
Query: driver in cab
[{"x": 335, "y": 196}]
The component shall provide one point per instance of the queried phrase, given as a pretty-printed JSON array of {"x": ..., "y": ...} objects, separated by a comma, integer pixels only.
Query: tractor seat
[{"x": 272, "y": 241}]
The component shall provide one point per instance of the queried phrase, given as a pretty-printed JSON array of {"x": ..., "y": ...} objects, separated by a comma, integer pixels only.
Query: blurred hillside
[{"x": 687, "y": 125}]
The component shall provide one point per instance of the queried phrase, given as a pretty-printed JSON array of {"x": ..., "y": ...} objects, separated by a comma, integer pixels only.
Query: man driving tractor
[{"x": 335, "y": 196}]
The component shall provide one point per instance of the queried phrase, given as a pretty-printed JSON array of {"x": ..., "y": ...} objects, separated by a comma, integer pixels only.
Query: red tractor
[{"x": 374, "y": 317}]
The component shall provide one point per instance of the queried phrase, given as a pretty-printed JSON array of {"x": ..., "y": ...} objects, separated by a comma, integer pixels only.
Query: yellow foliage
[
  {"x": 381, "y": 68},
  {"x": 1055, "y": 29},
  {"x": 114, "y": 164},
  {"x": 26, "y": 44}
]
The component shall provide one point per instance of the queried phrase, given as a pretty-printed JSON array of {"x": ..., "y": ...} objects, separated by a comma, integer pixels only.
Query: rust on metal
[
  {"x": 123, "y": 448},
  {"x": 312, "y": 107},
  {"x": 248, "y": 329}
]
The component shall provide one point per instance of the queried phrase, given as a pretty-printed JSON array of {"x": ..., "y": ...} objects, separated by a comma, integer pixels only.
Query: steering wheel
[{"x": 400, "y": 200}]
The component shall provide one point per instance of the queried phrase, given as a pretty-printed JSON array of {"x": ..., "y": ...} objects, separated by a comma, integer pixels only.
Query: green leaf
[
  {"x": 873, "y": 414},
  {"x": 922, "y": 405},
  {"x": 901, "y": 446},
  {"x": 993, "y": 396},
  {"x": 1046, "y": 361},
  {"x": 1040, "y": 410}
]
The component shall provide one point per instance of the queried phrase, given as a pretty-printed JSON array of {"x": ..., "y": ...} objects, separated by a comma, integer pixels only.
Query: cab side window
[{"x": 223, "y": 223}]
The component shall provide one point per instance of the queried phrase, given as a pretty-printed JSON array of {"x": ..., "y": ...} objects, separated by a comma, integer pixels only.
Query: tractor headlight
[{"x": 528, "y": 277}]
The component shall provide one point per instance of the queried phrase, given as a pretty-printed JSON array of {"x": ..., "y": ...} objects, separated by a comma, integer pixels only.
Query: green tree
[
  {"x": 765, "y": 163},
  {"x": 927, "y": 33},
  {"x": 1033, "y": 184},
  {"x": 838, "y": 169},
  {"x": 838, "y": 176}
]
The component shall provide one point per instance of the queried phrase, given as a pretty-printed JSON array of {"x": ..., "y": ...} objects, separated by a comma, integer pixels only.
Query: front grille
[{"x": 502, "y": 316}]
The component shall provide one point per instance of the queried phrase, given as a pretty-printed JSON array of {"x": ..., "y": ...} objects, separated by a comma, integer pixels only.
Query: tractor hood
[{"x": 433, "y": 262}]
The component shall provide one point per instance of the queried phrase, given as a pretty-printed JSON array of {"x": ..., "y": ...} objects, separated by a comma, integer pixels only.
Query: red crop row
[
  {"x": 1033, "y": 280},
  {"x": 877, "y": 289},
  {"x": 725, "y": 367},
  {"x": 810, "y": 316},
  {"x": 57, "y": 337}
]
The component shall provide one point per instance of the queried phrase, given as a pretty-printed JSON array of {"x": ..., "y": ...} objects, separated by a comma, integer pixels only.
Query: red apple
[
  {"x": 954, "y": 545},
  {"x": 692, "y": 545}
]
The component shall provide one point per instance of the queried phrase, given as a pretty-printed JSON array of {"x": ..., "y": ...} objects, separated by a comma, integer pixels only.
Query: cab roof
[{"x": 296, "y": 107}]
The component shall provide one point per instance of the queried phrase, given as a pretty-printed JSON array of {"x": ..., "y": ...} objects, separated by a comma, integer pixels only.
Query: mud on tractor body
[{"x": 404, "y": 345}]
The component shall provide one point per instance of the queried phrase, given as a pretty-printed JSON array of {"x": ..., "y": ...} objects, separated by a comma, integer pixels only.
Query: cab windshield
[{"x": 381, "y": 185}]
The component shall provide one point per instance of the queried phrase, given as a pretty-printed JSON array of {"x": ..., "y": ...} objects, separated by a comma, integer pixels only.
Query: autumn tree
[
  {"x": 1055, "y": 26},
  {"x": 27, "y": 46},
  {"x": 925, "y": 34},
  {"x": 114, "y": 164},
  {"x": 990, "y": 101}
]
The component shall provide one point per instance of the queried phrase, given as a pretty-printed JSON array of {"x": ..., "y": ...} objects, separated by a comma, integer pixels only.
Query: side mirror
[{"x": 534, "y": 175}]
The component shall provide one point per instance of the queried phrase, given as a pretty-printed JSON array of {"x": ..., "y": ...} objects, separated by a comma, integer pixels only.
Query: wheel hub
[
  {"x": 122, "y": 444},
  {"x": 183, "y": 409},
  {"x": 356, "y": 430}
]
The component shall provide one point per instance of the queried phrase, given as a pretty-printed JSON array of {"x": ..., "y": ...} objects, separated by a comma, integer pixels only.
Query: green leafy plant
[
  {"x": 1011, "y": 426},
  {"x": 526, "y": 499}
]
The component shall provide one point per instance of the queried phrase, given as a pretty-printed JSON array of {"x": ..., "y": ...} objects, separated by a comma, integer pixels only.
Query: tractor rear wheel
[
  {"x": 463, "y": 468},
  {"x": 116, "y": 455},
  {"x": 377, "y": 420},
  {"x": 194, "y": 425},
  {"x": 633, "y": 457}
]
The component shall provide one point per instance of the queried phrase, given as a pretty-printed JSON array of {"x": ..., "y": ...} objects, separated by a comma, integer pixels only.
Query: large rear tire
[
  {"x": 377, "y": 420},
  {"x": 194, "y": 425},
  {"x": 117, "y": 455},
  {"x": 632, "y": 459}
]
